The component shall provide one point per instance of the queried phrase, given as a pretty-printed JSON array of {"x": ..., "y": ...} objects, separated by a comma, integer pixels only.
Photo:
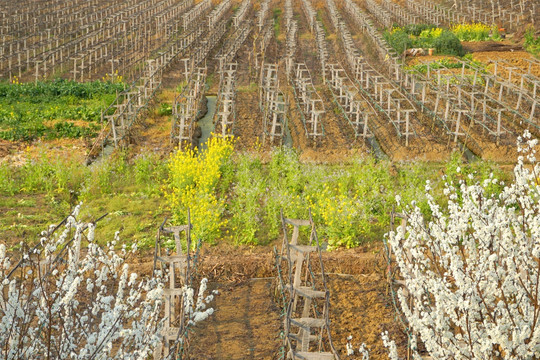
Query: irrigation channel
[{"x": 206, "y": 122}]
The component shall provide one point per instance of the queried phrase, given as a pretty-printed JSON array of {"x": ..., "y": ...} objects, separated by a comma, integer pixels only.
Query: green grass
[
  {"x": 181, "y": 86},
  {"x": 252, "y": 87},
  {"x": 276, "y": 13},
  {"x": 53, "y": 109},
  {"x": 532, "y": 43},
  {"x": 24, "y": 216},
  {"x": 350, "y": 202},
  {"x": 210, "y": 79},
  {"x": 134, "y": 214},
  {"x": 44, "y": 191}
]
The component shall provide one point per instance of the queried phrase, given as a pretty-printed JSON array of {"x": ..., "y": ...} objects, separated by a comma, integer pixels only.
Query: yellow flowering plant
[
  {"x": 193, "y": 182},
  {"x": 474, "y": 32}
]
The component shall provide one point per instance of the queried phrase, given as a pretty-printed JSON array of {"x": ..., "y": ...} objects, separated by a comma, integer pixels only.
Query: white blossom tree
[
  {"x": 471, "y": 273},
  {"x": 69, "y": 298}
]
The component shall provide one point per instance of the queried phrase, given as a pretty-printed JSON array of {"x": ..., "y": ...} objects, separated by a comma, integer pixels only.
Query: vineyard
[{"x": 327, "y": 179}]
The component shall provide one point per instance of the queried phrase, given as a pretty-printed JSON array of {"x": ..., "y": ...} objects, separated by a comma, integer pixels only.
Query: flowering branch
[{"x": 471, "y": 273}]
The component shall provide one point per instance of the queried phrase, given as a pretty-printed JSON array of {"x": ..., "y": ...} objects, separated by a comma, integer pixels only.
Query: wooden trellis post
[
  {"x": 307, "y": 332},
  {"x": 178, "y": 265}
]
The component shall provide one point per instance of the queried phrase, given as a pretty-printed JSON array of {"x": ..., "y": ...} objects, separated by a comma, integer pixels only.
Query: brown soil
[
  {"x": 485, "y": 46},
  {"x": 249, "y": 121},
  {"x": 426, "y": 145},
  {"x": 360, "y": 307},
  {"x": 482, "y": 144},
  {"x": 515, "y": 58},
  {"x": 154, "y": 133},
  {"x": 8, "y": 148},
  {"x": 18, "y": 153},
  {"x": 247, "y": 324}
]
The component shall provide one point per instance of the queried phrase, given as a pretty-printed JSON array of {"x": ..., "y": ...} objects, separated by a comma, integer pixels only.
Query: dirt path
[
  {"x": 360, "y": 307},
  {"x": 245, "y": 325}
]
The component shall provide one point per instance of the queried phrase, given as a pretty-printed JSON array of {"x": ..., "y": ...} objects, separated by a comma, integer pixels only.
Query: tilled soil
[
  {"x": 245, "y": 324},
  {"x": 247, "y": 320},
  {"x": 360, "y": 307}
]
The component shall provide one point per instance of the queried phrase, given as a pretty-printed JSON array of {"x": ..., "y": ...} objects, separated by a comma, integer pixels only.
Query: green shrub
[
  {"x": 532, "y": 43},
  {"x": 424, "y": 36},
  {"x": 417, "y": 29},
  {"x": 399, "y": 40},
  {"x": 448, "y": 43}
]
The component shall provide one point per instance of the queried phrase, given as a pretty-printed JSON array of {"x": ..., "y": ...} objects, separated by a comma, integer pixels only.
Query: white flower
[
  {"x": 468, "y": 270},
  {"x": 111, "y": 315}
]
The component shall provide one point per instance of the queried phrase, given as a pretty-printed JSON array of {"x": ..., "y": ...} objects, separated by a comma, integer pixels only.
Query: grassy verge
[
  {"x": 350, "y": 203},
  {"x": 44, "y": 190},
  {"x": 238, "y": 201},
  {"x": 276, "y": 15}
]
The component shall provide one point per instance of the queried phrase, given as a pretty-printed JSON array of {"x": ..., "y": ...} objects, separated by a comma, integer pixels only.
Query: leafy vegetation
[
  {"x": 192, "y": 184},
  {"x": 350, "y": 203},
  {"x": 424, "y": 36},
  {"x": 417, "y": 29},
  {"x": 532, "y": 43},
  {"x": 233, "y": 196},
  {"x": 476, "y": 32},
  {"x": 165, "y": 109},
  {"x": 53, "y": 109},
  {"x": 438, "y": 64}
]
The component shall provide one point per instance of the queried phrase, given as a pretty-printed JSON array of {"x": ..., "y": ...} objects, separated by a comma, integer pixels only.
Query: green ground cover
[
  {"x": 444, "y": 41},
  {"x": 532, "y": 43},
  {"x": 350, "y": 202},
  {"x": 53, "y": 109},
  {"x": 424, "y": 36}
]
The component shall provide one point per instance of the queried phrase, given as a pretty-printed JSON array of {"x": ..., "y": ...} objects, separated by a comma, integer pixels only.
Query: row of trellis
[
  {"x": 305, "y": 297},
  {"x": 84, "y": 37},
  {"x": 495, "y": 104},
  {"x": 180, "y": 269}
]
